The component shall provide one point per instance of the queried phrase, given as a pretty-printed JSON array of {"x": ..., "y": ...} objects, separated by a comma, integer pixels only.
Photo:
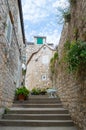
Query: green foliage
[
  {"x": 22, "y": 90},
  {"x": 23, "y": 71},
  {"x": 67, "y": 16},
  {"x": 76, "y": 55},
  {"x": 63, "y": 15},
  {"x": 65, "y": 52},
  {"x": 72, "y": 2},
  {"x": 43, "y": 91},
  {"x": 76, "y": 31},
  {"x": 56, "y": 55},
  {"x": 37, "y": 91},
  {"x": 53, "y": 61},
  {"x": 6, "y": 110},
  {"x": 67, "y": 45}
]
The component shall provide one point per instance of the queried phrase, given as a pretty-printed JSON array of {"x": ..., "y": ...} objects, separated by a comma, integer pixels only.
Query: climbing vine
[{"x": 52, "y": 62}]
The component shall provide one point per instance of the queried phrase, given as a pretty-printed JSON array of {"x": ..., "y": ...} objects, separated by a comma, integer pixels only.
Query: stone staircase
[{"x": 37, "y": 111}]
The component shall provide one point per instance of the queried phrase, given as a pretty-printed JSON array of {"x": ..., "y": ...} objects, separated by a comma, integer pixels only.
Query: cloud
[
  {"x": 52, "y": 35},
  {"x": 35, "y": 11},
  {"x": 61, "y": 3},
  {"x": 40, "y": 19}
]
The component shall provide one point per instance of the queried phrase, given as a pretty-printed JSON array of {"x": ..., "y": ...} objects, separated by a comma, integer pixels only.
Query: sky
[{"x": 40, "y": 19}]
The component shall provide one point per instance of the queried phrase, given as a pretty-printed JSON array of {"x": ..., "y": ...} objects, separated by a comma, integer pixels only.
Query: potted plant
[
  {"x": 22, "y": 93},
  {"x": 38, "y": 91},
  {"x": 43, "y": 91},
  {"x": 35, "y": 91}
]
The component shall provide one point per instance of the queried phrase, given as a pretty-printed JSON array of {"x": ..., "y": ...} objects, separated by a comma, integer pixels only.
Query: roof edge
[
  {"x": 21, "y": 19},
  {"x": 38, "y": 51}
]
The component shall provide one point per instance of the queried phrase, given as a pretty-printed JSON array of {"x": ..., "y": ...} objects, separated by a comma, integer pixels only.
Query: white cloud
[
  {"x": 61, "y": 4},
  {"x": 26, "y": 26},
  {"x": 52, "y": 36},
  {"x": 37, "y": 11},
  {"x": 30, "y": 36},
  {"x": 40, "y": 2}
]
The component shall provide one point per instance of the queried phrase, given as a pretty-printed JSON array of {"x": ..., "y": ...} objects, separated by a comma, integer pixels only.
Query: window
[
  {"x": 8, "y": 30},
  {"x": 44, "y": 77},
  {"x": 39, "y": 40}
]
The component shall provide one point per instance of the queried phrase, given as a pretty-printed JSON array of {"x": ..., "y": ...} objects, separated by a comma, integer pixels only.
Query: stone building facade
[
  {"x": 72, "y": 88},
  {"x": 38, "y": 59},
  {"x": 11, "y": 46}
]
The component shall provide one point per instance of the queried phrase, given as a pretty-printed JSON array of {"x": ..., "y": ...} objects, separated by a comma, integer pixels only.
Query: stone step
[
  {"x": 38, "y": 101},
  {"x": 38, "y": 105},
  {"x": 37, "y": 111},
  {"x": 36, "y": 123},
  {"x": 42, "y": 97},
  {"x": 38, "y": 96},
  {"x": 37, "y": 117}
]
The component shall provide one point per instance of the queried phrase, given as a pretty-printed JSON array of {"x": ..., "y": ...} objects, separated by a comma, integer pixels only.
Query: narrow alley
[{"x": 43, "y": 65}]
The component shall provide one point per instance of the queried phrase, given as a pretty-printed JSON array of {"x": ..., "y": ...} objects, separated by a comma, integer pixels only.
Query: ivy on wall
[
  {"x": 52, "y": 62},
  {"x": 75, "y": 55}
]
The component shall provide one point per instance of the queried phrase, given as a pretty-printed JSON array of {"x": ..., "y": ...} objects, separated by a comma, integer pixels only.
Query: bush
[
  {"x": 23, "y": 71},
  {"x": 55, "y": 55},
  {"x": 76, "y": 55},
  {"x": 23, "y": 91},
  {"x": 64, "y": 15},
  {"x": 38, "y": 91},
  {"x": 35, "y": 91},
  {"x": 43, "y": 91},
  {"x": 53, "y": 61},
  {"x": 67, "y": 16}
]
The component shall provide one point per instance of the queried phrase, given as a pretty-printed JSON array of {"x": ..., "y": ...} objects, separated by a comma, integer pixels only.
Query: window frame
[{"x": 8, "y": 29}]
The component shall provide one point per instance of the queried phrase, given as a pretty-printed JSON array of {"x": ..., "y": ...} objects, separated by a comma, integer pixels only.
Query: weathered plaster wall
[
  {"x": 31, "y": 49},
  {"x": 36, "y": 68}
]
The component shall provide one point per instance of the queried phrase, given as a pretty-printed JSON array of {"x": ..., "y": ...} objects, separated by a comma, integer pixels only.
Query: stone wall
[
  {"x": 71, "y": 88},
  {"x": 31, "y": 49},
  {"x": 10, "y": 55},
  {"x": 38, "y": 66}
]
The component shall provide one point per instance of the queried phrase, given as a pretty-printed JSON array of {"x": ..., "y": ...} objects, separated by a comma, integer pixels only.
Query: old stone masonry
[{"x": 38, "y": 65}]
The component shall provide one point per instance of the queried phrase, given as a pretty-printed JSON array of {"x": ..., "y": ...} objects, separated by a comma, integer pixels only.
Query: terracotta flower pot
[{"x": 21, "y": 97}]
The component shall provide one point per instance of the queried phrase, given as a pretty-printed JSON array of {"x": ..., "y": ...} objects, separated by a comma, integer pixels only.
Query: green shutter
[{"x": 39, "y": 40}]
